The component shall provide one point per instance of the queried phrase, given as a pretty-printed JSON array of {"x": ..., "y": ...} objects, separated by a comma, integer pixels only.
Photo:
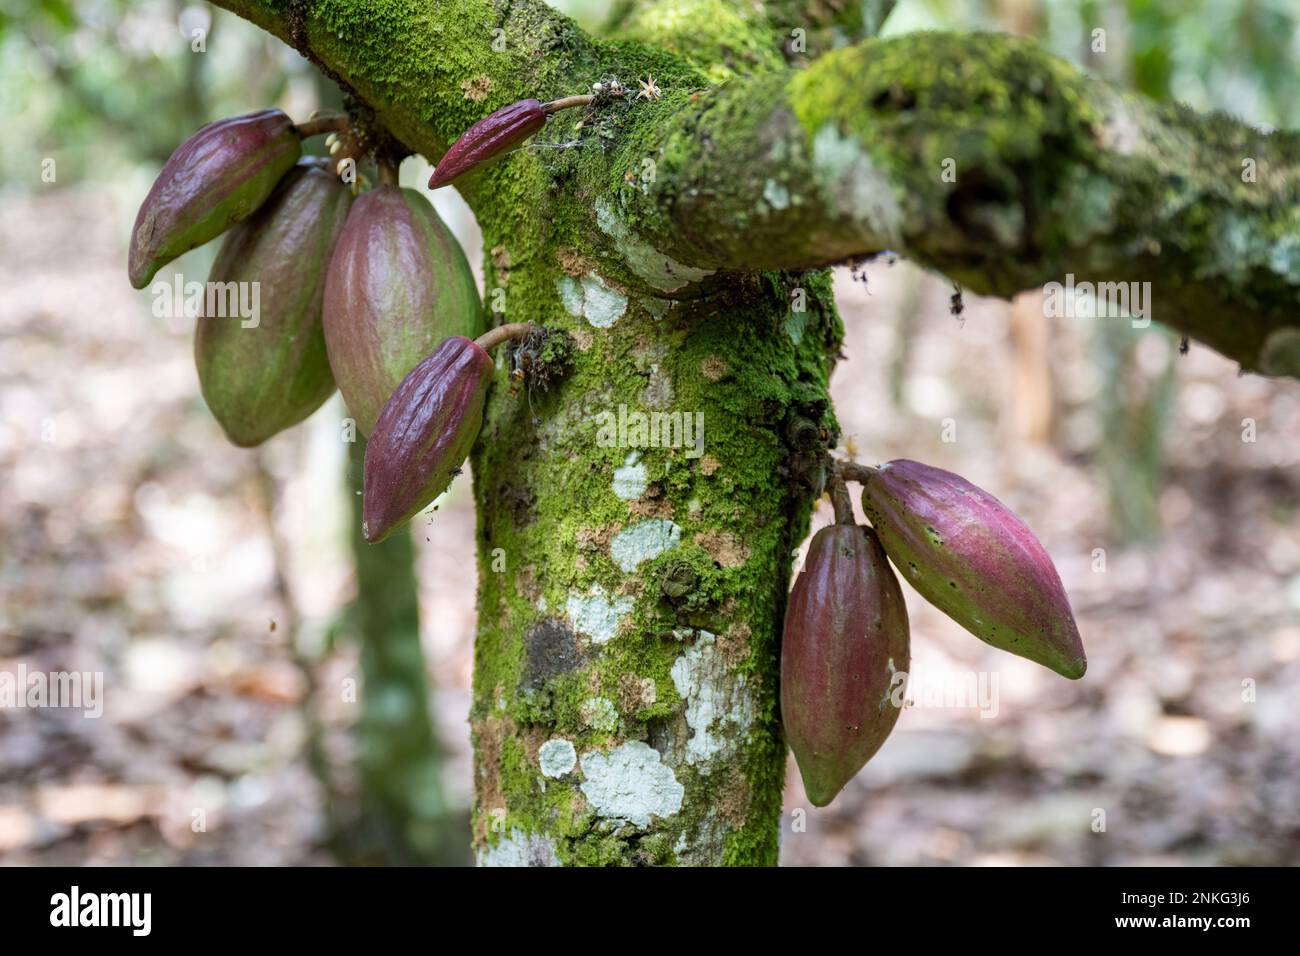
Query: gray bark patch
[
  {"x": 518, "y": 848},
  {"x": 552, "y": 650}
]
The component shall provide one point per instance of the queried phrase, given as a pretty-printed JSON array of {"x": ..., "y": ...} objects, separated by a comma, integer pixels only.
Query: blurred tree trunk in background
[
  {"x": 1134, "y": 407},
  {"x": 1133, "y": 402},
  {"x": 195, "y": 98},
  {"x": 906, "y": 327},
  {"x": 403, "y": 815},
  {"x": 1032, "y": 391}
]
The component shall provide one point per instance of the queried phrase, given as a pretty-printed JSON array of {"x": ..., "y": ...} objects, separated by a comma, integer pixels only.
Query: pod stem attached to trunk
[
  {"x": 323, "y": 122},
  {"x": 554, "y": 106},
  {"x": 852, "y": 471},
  {"x": 513, "y": 331},
  {"x": 840, "y": 499}
]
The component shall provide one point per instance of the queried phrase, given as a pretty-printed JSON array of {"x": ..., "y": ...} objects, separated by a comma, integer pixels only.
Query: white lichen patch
[
  {"x": 599, "y": 713},
  {"x": 596, "y": 615},
  {"x": 518, "y": 848},
  {"x": 643, "y": 541},
  {"x": 855, "y": 185},
  {"x": 571, "y": 294},
  {"x": 776, "y": 195},
  {"x": 630, "y": 481},
  {"x": 557, "y": 757},
  {"x": 719, "y": 709},
  {"x": 589, "y": 298},
  {"x": 661, "y": 271},
  {"x": 631, "y": 783}
]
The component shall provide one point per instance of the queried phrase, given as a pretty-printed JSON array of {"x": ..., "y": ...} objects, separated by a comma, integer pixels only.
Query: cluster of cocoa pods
[
  {"x": 373, "y": 296},
  {"x": 846, "y": 630}
]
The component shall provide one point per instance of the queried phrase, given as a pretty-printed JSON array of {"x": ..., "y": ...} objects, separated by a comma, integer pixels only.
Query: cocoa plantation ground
[{"x": 134, "y": 543}]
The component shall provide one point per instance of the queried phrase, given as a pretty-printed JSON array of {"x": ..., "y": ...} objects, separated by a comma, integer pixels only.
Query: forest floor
[{"x": 133, "y": 542}]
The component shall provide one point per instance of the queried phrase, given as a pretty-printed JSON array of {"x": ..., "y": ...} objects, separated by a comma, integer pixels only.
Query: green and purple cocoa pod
[
  {"x": 217, "y": 177},
  {"x": 488, "y": 138},
  {"x": 845, "y": 639},
  {"x": 264, "y": 374},
  {"x": 971, "y": 557},
  {"x": 398, "y": 286},
  {"x": 424, "y": 434}
]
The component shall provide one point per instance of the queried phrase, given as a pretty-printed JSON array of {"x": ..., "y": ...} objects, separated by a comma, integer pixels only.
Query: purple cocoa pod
[
  {"x": 846, "y": 636},
  {"x": 398, "y": 285},
  {"x": 971, "y": 557},
  {"x": 424, "y": 434},
  {"x": 217, "y": 177},
  {"x": 489, "y": 137}
]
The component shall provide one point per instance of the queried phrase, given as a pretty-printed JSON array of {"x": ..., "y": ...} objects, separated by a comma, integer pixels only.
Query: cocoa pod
[
  {"x": 489, "y": 137},
  {"x": 846, "y": 636},
  {"x": 424, "y": 434},
  {"x": 398, "y": 285},
  {"x": 218, "y": 176},
  {"x": 971, "y": 557},
  {"x": 265, "y": 377}
]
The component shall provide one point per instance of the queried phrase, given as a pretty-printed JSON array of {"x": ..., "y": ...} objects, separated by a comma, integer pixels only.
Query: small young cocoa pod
[
  {"x": 398, "y": 285},
  {"x": 489, "y": 137},
  {"x": 846, "y": 636},
  {"x": 262, "y": 377},
  {"x": 971, "y": 557},
  {"x": 424, "y": 434},
  {"x": 215, "y": 178}
]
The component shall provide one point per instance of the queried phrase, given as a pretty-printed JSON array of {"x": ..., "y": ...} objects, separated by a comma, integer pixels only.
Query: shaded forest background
[{"x": 217, "y": 588}]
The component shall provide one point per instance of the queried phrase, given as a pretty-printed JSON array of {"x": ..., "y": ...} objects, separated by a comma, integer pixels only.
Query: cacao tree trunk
[{"x": 630, "y": 596}]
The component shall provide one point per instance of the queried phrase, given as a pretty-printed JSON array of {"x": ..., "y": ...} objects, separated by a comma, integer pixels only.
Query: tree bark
[{"x": 631, "y": 594}]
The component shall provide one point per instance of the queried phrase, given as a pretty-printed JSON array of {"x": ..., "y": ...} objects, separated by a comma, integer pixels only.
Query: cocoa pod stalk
[
  {"x": 845, "y": 639},
  {"x": 398, "y": 285},
  {"x": 424, "y": 434},
  {"x": 971, "y": 557},
  {"x": 488, "y": 138},
  {"x": 259, "y": 378},
  {"x": 217, "y": 177}
]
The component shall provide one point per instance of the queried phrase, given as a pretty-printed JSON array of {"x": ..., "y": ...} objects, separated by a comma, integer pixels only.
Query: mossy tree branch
[{"x": 986, "y": 159}]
